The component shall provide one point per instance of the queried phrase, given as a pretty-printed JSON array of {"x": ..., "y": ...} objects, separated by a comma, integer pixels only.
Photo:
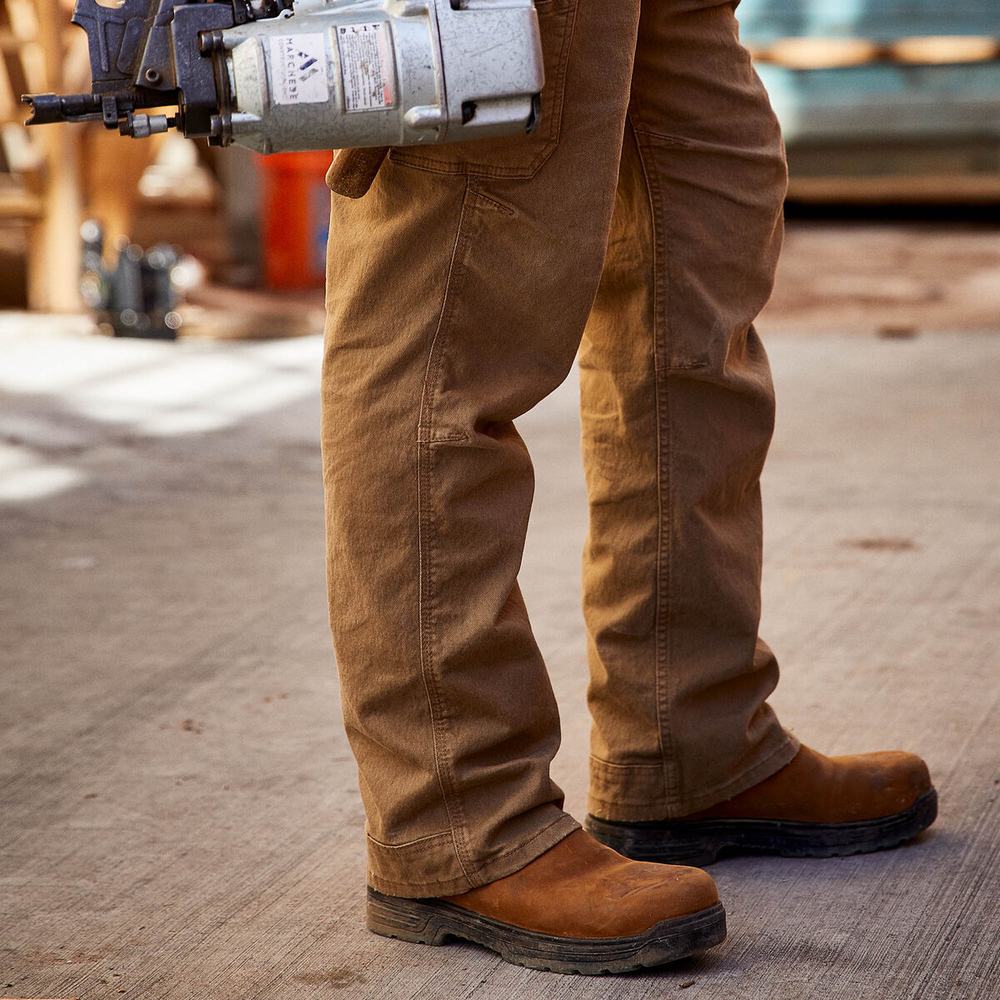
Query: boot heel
[
  {"x": 694, "y": 847},
  {"x": 405, "y": 919}
]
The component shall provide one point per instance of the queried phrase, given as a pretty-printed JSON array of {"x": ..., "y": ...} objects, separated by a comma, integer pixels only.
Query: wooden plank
[
  {"x": 818, "y": 53},
  {"x": 54, "y": 250},
  {"x": 939, "y": 50},
  {"x": 20, "y": 205},
  {"x": 958, "y": 189},
  {"x": 814, "y": 52},
  {"x": 9, "y": 42},
  {"x": 14, "y": 45}
]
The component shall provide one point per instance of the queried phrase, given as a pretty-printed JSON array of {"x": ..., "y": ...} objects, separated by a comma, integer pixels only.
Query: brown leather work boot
[
  {"x": 814, "y": 807},
  {"x": 579, "y": 907}
]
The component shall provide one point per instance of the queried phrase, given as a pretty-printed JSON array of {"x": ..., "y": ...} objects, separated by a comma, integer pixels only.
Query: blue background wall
[{"x": 879, "y": 100}]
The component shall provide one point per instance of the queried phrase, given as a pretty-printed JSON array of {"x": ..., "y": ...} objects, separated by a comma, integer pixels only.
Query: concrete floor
[{"x": 178, "y": 811}]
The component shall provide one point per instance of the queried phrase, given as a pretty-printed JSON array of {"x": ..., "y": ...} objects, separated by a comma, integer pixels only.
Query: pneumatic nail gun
[{"x": 285, "y": 75}]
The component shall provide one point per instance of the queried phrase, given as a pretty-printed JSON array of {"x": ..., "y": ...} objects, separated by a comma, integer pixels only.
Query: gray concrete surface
[{"x": 178, "y": 811}]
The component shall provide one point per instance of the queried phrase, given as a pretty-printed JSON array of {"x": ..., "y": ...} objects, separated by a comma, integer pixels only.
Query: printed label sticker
[
  {"x": 366, "y": 63},
  {"x": 298, "y": 69}
]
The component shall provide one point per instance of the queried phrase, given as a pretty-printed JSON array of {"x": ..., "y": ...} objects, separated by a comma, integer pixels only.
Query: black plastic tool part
[{"x": 148, "y": 54}]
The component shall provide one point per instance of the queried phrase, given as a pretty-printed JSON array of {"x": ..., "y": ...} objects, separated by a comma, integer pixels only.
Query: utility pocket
[{"x": 519, "y": 156}]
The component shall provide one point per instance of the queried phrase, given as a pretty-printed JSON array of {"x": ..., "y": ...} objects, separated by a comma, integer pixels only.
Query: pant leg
[
  {"x": 459, "y": 287},
  {"x": 677, "y": 410}
]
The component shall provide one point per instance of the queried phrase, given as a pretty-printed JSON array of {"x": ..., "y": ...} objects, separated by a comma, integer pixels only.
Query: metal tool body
[{"x": 316, "y": 74}]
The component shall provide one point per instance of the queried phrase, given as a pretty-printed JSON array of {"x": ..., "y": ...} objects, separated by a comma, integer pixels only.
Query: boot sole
[
  {"x": 700, "y": 842},
  {"x": 435, "y": 922}
]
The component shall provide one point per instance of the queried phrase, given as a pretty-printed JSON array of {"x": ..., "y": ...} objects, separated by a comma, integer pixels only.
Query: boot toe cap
[
  {"x": 875, "y": 785},
  {"x": 695, "y": 890},
  {"x": 671, "y": 891},
  {"x": 906, "y": 778}
]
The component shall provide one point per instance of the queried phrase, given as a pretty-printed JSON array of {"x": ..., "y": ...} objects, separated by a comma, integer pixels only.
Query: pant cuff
[
  {"x": 430, "y": 867},
  {"x": 635, "y": 793}
]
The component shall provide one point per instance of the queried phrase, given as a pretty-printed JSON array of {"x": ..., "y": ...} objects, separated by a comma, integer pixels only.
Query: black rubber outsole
[
  {"x": 434, "y": 922},
  {"x": 700, "y": 842}
]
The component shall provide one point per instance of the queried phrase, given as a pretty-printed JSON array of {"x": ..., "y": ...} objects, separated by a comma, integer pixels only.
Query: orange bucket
[{"x": 296, "y": 219}]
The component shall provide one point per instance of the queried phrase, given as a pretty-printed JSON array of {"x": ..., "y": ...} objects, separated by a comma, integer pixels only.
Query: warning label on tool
[
  {"x": 366, "y": 62},
  {"x": 298, "y": 69}
]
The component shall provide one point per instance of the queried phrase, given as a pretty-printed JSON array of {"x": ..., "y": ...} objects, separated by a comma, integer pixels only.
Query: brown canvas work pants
[{"x": 637, "y": 228}]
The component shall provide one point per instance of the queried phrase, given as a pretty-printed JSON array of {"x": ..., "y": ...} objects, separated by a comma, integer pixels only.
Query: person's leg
[
  {"x": 459, "y": 287},
  {"x": 688, "y": 760},
  {"x": 677, "y": 410}
]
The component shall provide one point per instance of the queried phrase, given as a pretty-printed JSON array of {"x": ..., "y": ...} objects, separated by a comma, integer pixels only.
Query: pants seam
[
  {"x": 661, "y": 629},
  {"x": 492, "y": 202},
  {"x": 440, "y": 729},
  {"x": 418, "y": 844},
  {"x": 624, "y": 767},
  {"x": 673, "y": 140}
]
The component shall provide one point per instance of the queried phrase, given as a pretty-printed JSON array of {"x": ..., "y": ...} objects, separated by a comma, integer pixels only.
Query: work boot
[
  {"x": 579, "y": 907},
  {"x": 814, "y": 807}
]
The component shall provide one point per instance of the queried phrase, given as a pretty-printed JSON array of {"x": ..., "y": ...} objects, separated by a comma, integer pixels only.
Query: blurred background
[
  {"x": 178, "y": 806},
  {"x": 232, "y": 219}
]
